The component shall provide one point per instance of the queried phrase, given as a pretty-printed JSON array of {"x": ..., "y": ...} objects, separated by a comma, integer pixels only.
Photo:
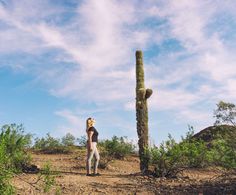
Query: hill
[{"x": 213, "y": 132}]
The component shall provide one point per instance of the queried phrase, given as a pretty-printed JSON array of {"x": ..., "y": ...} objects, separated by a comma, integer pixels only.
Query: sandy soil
[{"x": 121, "y": 177}]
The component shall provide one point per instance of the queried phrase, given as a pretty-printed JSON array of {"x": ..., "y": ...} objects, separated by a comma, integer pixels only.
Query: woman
[{"x": 92, "y": 147}]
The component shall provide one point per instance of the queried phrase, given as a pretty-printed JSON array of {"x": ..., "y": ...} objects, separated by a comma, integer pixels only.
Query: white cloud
[
  {"x": 75, "y": 123},
  {"x": 105, "y": 49},
  {"x": 172, "y": 99},
  {"x": 208, "y": 58},
  {"x": 94, "y": 52}
]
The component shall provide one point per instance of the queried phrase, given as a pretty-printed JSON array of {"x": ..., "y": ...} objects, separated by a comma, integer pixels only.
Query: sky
[{"x": 62, "y": 61}]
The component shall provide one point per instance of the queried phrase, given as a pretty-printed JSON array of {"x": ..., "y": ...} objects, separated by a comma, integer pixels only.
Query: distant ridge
[{"x": 213, "y": 132}]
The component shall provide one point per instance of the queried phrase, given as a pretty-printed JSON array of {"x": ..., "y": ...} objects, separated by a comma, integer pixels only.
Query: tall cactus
[{"x": 142, "y": 95}]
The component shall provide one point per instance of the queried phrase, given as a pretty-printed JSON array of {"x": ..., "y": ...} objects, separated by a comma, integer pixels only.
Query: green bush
[
  {"x": 5, "y": 175},
  {"x": 13, "y": 157},
  {"x": 221, "y": 145},
  {"x": 48, "y": 178},
  {"x": 194, "y": 151},
  {"x": 68, "y": 140},
  {"x": 49, "y": 145},
  {"x": 14, "y": 142},
  {"x": 170, "y": 157},
  {"x": 117, "y": 147},
  {"x": 222, "y": 154}
]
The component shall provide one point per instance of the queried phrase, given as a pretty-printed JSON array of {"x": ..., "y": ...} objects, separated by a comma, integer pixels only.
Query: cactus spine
[{"x": 142, "y": 95}]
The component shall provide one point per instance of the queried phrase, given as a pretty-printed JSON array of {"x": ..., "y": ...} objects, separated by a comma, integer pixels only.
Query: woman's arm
[{"x": 90, "y": 134}]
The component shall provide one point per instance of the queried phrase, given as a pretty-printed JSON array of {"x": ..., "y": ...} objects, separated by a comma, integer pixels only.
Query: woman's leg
[
  {"x": 97, "y": 158},
  {"x": 90, "y": 154}
]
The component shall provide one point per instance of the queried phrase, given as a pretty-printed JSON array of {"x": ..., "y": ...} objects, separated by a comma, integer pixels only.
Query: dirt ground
[{"x": 121, "y": 177}]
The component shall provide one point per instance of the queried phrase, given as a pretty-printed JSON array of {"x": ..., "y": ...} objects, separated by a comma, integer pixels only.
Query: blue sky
[{"x": 63, "y": 61}]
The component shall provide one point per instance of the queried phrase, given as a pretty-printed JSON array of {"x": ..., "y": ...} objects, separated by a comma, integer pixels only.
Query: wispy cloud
[
  {"x": 203, "y": 70},
  {"x": 74, "y": 123}
]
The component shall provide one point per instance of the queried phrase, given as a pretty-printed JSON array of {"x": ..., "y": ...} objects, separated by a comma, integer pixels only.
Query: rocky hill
[{"x": 213, "y": 132}]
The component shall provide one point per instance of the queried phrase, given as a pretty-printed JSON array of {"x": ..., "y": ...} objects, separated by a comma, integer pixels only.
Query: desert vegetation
[
  {"x": 214, "y": 146},
  {"x": 170, "y": 157},
  {"x": 50, "y": 145},
  {"x": 13, "y": 154}
]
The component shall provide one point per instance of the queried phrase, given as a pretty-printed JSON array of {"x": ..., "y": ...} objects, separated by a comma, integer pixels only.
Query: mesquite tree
[
  {"x": 225, "y": 113},
  {"x": 142, "y": 95}
]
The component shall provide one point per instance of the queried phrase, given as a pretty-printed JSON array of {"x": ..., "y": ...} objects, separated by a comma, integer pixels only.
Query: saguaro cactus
[{"x": 142, "y": 95}]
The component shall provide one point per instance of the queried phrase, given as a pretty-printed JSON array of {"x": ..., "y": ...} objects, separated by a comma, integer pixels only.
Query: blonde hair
[{"x": 89, "y": 123}]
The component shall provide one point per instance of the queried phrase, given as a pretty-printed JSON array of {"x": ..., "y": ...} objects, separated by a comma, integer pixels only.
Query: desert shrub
[
  {"x": 167, "y": 159},
  {"x": 48, "y": 178},
  {"x": 13, "y": 156},
  {"x": 222, "y": 153},
  {"x": 171, "y": 157},
  {"x": 118, "y": 147},
  {"x": 195, "y": 152},
  {"x": 15, "y": 142},
  {"x": 68, "y": 140},
  {"x": 49, "y": 145},
  {"x": 105, "y": 158},
  {"x": 221, "y": 145},
  {"x": 5, "y": 175}
]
